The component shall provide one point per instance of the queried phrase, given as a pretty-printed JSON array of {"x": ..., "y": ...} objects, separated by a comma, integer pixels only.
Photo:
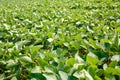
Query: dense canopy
[{"x": 59, "y": 39}]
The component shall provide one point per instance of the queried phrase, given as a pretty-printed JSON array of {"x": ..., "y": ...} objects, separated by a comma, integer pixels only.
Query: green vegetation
[{"x": 59, "y": 39}]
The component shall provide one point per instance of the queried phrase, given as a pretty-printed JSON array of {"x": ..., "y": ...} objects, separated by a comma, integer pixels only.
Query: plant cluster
[{"x": 59, "y": 40}]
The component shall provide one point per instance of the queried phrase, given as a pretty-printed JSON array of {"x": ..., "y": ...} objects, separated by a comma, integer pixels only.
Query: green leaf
[
  {"x": 75, "y": 44},
  {"x": 72, "y": 78},
  {"x": 50, "y": 39},
  {"x": 83, "y": 75},
  {"x": 113, "y": 71},
  {"x": 118, "y": 29},
  {"x": 115, "y": 58},
  {"x": 99, "y": 72},
  {"x": 92, "y": 70},
  {"x": 78, "y": 59},
  {"x": 93, "y": 43},
  {"x": 49, "y": 69},
  {"x": 11, "y": 64},
  {"x": 70, "y": 62},
  {"x": 89, "y": 44},
  {"x": 37, "y": 76},
  {"x": 26, "y": 59},
  {"x": 92, "y": 55},
  {"x": 116, "y": 40},
  {"x": 103, "y": 41},
  {"x": 36, "y": 69},
  {"x": 92, "y": 59},
  {"x": 50, "y": 76},
  {"x": 35, "y": 49},
  {"x": 113, "y": 64},
  {"x": 63, "y": 75},
  {"x": 19, "y": 45},
  {"x": 97, "y": 78},
  {"x": 42, "y": 63},
  {"x": 105, "y": 66},
  {"x": 66, "y": 44},
  {"x": 14, "y": 78}
]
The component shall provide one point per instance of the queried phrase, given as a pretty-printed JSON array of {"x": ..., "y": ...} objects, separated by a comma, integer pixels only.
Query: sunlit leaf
[
  {"x": 50, "y": 76},
  {"x": 63, "y": 75},
  {"x": 26, "y": 59},
  {"x": 83, "y": 75}
]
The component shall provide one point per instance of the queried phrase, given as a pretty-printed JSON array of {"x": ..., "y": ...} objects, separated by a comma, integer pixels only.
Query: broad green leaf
[
  {"x": 94, "y": 43},
  {"x": 50, "y": 76},
  {"x": 78, "y": 37},
  {"x": 112, "y": 71},
  {"x": 79, "y": 66},
  {"x": 118, "y": 29},
  {"x": 70, "y": 62},
  {"x": 19, "y": 45},
  {"x": 89, "y": 44},
  {"x": 113, "y": 64},
  {"x": 102, "y": 41},
  {"x": 78, "y": 59},
  {"x": 11, "y": 64},
  {"x": 115, "y": 58},
  {"x": 48, "y": 69},
  {"x": 37, "y": 76},
  {"x": 50, "y": 39},
  {"x": 116, "y": 40},
  {"x": 92, "y": 59},
  {"x": 97, "y": 78},
  {"x": 66, "y": 44},
  {"x": 36, "y": 69},
  {"x": 92, "y": 70},
  {"x": 92, "y": 55},
  {"x": 26, "y": 59},
  {"x": 83, "y": 75},
  {"x": 63, "y": 75},
  {"x": 72, "y": 78},
  {"x": 105, "y": 66},
  {"x": 35, "y": 49},
  {"x": 14, "y": 78},
  {"x": 75, "y": 44},
  {"x": 99, "y": 72},
  {"x": 42, "y": 63}
]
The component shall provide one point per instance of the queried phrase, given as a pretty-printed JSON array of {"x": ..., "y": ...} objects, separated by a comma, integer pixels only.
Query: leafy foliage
[{"x": 59, "y": 40}]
